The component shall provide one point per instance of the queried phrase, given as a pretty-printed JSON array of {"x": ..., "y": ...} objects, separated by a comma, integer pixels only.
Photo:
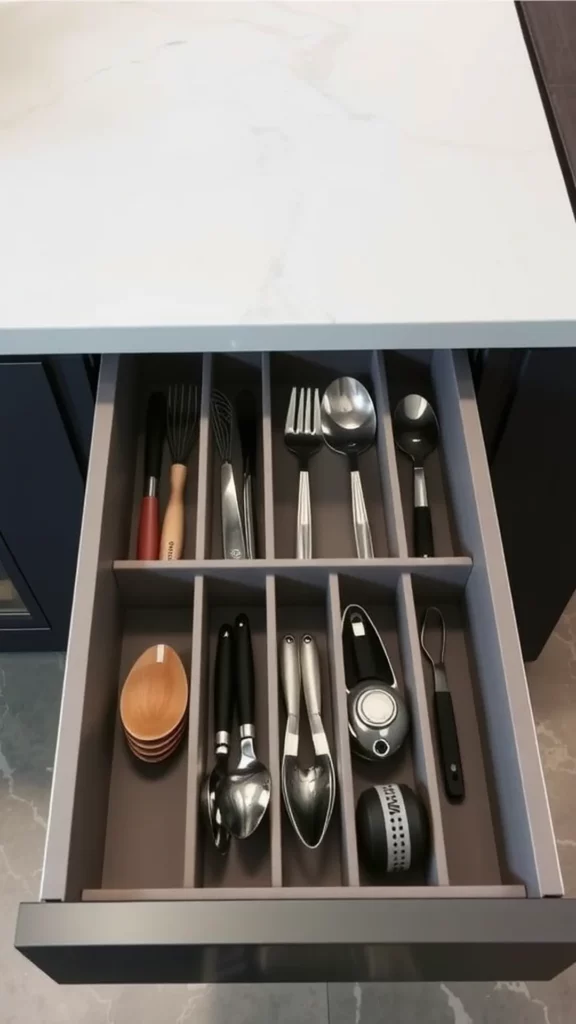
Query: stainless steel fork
[{"x": 303, "y": 437}]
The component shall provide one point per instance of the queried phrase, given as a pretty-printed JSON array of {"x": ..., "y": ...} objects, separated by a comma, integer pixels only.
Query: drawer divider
[
  {"x": 275, "y": 754},
  {"x": 196, "y": 739},
  {"x": 268, "y": 466},
  {"x": 387, "y": 460},
  {"x": 343, "y": 763},
  {"x": 204, "y": 496},
  {"x": 422, "y": 742}
]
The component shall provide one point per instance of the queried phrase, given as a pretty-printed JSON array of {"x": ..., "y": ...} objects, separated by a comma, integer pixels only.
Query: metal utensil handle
[
  {"x": 449, "y": 746},
  {"x": 423, "y": 537},
  {"x": 304, "y": 520},
  {"x": 232, "y": 533},
  {"x": 362, "y": 534},
  {"x": 290, "y": 670},
  {"x": 223, "y": 674},
  {"x": 312, "y": 686},
  {"x": 311, "y": 679},
  {"x": 245, "y": 675},
  {"x": 426, "y": 622},
  {"x": 291, "y": 686},
  {"x": 249, "y": 526}
]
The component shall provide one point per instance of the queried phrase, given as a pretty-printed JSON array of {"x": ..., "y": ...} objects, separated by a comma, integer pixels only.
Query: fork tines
[{"x": 303, "y": 422}]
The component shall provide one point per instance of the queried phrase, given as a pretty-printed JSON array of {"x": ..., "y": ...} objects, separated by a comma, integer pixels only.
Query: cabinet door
[{"x": 40, "y": 511}]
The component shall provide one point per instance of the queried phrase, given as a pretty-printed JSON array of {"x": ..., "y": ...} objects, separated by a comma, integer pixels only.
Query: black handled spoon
[
  {"x": 223, "y": 704},
  {"x": 416, "y": 434},
  {"x": 244, "y": 794}
]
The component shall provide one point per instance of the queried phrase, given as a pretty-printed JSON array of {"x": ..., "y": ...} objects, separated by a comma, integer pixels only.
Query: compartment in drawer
[
  {"x": 129, "y": 819},
  {"x": 248, "y": 863},
  {"x": 387, "y": 604},
  {"x": 332, "y": 525},
  {"x": 412, "y": 374},
  {"x": 233, "y": 376},
  {"x": 303, "y": 608},
  {"x": 144, "y": 846},
  {"x": 473, "y": 828},
  {"x": 143, "y": 376}
]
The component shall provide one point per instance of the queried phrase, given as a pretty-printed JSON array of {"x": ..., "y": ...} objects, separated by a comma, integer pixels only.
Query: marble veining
[{"x": 382, "y": 167}]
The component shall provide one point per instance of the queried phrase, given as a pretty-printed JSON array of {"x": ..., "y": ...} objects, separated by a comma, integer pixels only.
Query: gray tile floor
[{"x": 29, "y": 700}]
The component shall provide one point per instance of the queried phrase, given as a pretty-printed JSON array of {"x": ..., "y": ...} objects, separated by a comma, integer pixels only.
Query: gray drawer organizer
[{"x": 132, "y": 889}]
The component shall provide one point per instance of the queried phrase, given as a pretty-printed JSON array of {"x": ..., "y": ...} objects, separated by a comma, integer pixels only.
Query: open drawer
[{"x": 132, "y": 888}]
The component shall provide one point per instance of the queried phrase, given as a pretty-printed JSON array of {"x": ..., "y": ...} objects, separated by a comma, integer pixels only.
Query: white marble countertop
[{"x": 265, "y": 175}]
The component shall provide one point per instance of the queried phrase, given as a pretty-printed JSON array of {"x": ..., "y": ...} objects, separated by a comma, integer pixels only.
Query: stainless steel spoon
[
  {"x": 309, "y": 793},
  {"x": 416, "y": 434},
  {"x": 349, "y": 427},
  {"x": 244, "y": 793}
]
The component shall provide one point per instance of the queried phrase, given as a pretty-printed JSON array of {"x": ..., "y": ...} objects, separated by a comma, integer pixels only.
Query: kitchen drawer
[{"x": 132, "y": 890}]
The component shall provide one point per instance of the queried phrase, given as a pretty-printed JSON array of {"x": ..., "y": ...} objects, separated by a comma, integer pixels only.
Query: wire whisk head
[
  {"x": 222, "y": 419},
  {"x": 181, "y": 421}
]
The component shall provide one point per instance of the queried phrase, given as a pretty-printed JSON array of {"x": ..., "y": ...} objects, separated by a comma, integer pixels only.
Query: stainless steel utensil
[
  {"x": 223, "y": 670},
  {"x": 416, "y": 434},
  {"x": 247, "y": 418},
  {"x": 222, "y": 417},
  {"x": 303, "y": 437},
  {"x": 349, "y": 428},
  {"x": 309, "y": 793},
  {"x": 444, "y": 710},
  {"x": 378, "y": 718},
  {"x": 244, "y": 794}
]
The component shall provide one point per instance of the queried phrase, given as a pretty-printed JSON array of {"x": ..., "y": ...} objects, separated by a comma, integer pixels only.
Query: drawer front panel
[{"x": 271, "y": 941}]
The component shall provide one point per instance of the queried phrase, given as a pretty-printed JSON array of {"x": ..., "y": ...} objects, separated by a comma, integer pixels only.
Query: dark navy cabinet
[{"x": 46, "y": 410}]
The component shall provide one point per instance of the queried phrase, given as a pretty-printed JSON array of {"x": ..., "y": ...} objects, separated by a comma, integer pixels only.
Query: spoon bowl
[
  {"x": 415, "y": 428},
  {"x": 244, "y": 794},
  {"x": 309, "y": 795},
  {"x": 348, "y": 417}
]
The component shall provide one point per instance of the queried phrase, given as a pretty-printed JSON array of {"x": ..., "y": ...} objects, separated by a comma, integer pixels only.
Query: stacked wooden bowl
[{"x": 153, "y": 704}]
